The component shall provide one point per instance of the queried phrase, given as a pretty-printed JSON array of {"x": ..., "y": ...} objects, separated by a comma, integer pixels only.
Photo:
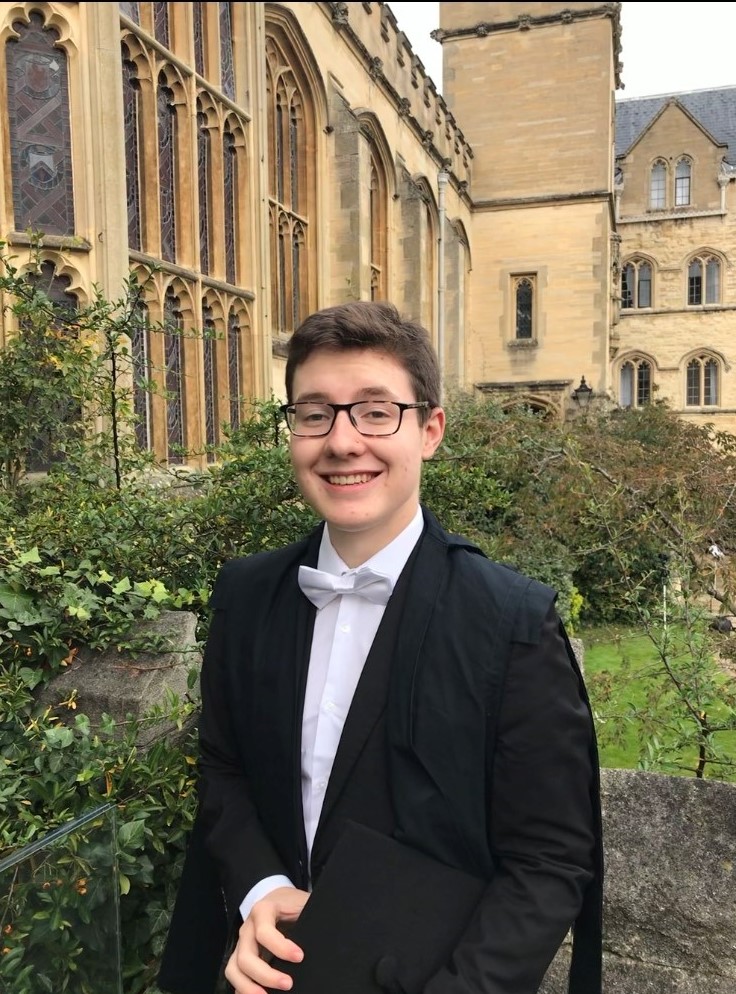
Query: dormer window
[
  {"x": 683, "y": 173},
  {"x": 658, "y": 186}
]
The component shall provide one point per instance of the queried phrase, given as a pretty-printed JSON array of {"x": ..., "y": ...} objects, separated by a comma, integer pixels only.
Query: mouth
[{"x": 349, "y": 479}]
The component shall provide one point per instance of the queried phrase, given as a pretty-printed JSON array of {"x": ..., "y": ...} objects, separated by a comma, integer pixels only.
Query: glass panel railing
[{"x": 59, "y": 911}]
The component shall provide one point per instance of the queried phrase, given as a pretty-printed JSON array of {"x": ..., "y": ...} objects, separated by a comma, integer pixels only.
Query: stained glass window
[
  {"x": 199, "y": 13},
  {"x": 233, "y": 366},
  {"x": 230, "y": 193},
  {"x": 131, "y": 10},
  {"x": 203, "y": 171},
  {"x": 131, "y": 93},
  {"x": 40, "y": 136},
  {"x": 140, "y": 356},
  {"x": 210, "y": 381},
  {"x": 227, "y": 68},
  {"x": 166, "y": 169},
  {"x": 161, "y": 23},
  {"x": 173, "y": 362}
]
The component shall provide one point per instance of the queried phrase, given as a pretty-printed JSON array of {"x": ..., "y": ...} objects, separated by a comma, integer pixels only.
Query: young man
[{"x": 385, "y": 672}]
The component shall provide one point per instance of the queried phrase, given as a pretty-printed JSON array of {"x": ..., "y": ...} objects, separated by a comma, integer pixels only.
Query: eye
[{"x": 376, "y": 412}]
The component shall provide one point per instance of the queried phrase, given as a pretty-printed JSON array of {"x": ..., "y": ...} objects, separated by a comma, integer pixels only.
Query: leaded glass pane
[
  {"x": 295, "y": 280},
  {"x": 230, "y": 194},
  {"x": 40, "y": 135},
  {"x": 644, "y": 297},
  {"x": 693, "y": 383},
  {"x": 210, "y": 382},
  {"x": 695, "y": 282},
  {"x": 279, "y": 149},
  {"x": 130, "y": 122},
  {"x": 203, "y": 172},
  {"x": 161, "y": 23},
  {"x": 627, "y": 286},
  {"x": 524, "y": 300},
  {"x": 173, "y": 380},
  {"x": 710, "y": 382},
  {"x": 140, "y": 356},
  {"x": 227, "y": 69},
  {"x": 198, "y": 28},
  {"x": 712, "y": 281},
  {"x": 233, "y": 367},
  {"x": 294, "y": 157},
  {"x": 643, "y": 384},
  {"x": 166, "y": 172},
  {"x": 131, "y": 10},
  {"x": 627, "y": 385}
]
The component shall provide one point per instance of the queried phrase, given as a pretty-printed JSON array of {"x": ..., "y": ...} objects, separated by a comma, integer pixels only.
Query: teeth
[{"x": 345, "y": 481}]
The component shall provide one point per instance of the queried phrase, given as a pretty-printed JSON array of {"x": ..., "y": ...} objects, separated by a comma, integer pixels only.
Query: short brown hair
[{"x": 365, "y": 324}]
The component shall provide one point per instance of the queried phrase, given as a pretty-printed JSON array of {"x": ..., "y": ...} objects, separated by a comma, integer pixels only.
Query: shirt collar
[{"x": 390, "y": 560}]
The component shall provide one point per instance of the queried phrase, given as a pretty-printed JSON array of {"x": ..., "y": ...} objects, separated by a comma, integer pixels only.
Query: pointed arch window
[
  {"x": 230, "y": 194},
  {"x": 198, "y": 19},
  {"x": 204, "y": 165},
  {"x": 141, "y": 362},
  {"x": 378, "y": 227},
  {"x": 683, "y": 175},
  {"x": 131, "y": 123},
  {"x": 636, "y": 284},
  {"x": 635, "y": 383},
  {"x": 173, "y": 370},
  {"x": 227, "y": 65},
  {"x": 210, "y": 381},
  {"x": 40, "y": 133},
  {"x": 701, "y": 388},
  {"x": 704, "y": 281},
  {"x": 291, "y": 169},
  {"x": 658, "y": 186},
  {"x": 131, "y": 10},
  {"x": 161, "y": 23},
  {"x": 233, "y": 366},
  {"x": 167, "y": 169},
  {"x": 524, "y": 287}
]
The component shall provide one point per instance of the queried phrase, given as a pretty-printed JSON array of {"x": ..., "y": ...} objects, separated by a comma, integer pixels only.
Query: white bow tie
[{"x": 321, "y": 587}]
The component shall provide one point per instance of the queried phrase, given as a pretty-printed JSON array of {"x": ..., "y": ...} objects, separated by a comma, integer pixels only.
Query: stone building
[{"x": 249, "y": 163}]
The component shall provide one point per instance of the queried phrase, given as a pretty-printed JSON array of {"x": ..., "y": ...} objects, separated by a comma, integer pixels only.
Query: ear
[{"x": 433, "y": 432}]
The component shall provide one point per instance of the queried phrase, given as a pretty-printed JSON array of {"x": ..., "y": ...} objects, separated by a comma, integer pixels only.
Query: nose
[{"x": 344, "y": 438}]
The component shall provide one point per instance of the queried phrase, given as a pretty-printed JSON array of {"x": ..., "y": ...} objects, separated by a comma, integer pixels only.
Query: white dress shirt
[{"x": 343, "y": 634}]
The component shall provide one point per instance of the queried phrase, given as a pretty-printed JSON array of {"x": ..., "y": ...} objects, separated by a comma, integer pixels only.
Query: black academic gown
[{"x": 470, "y": 735}]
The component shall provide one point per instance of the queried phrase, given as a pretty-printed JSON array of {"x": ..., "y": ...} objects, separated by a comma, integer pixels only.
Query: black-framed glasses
[{"x": 309, "y": 419}]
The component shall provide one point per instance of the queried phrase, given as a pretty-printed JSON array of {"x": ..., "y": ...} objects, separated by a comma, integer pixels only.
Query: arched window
[
  {"x": 291, "y": 178},
  {"x": 227, "y": 67},
  {"x": 210, "y": 382},
  {"x": 204, "y": 166},
  {"x": 636, "y": 284},
  {"x": 658, "y": 186},
  {"x": 378, "y": 225},
  {"x": 167, "y": 168},
  {"x": 198, "y": 29},
  {"x": 704, "y": 281},
  {"x": 230, "y": 195},
  {"x": 131, "y": 119},
  {"x": 701, "y": 389},
  {"x": 173, "y": 369},
  {"x": 161, "y": 23},
  {"x": 683, "y": 172},
  {"x": 40, "y": 135},
  {"x": 141, "y": 361},
  {"x": 131, "y": 10},
  {"x": 524, "y": 308},
  {"x": 635, "y": 383},
  {"x": 233, "y": 366}
]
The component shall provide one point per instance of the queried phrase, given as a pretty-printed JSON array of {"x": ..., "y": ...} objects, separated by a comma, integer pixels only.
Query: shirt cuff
[{"x": 260, "y": 890}]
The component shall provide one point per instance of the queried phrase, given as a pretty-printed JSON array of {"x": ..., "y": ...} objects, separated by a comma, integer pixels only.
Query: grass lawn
[{"x": 625, "y": 678}]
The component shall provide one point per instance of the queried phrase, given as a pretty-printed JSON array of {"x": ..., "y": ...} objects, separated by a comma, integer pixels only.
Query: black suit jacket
[{"x": 517, "y": 745}]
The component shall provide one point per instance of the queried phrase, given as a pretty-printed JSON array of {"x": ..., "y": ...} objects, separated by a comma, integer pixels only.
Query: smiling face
[{"x": 365, "y": 488}]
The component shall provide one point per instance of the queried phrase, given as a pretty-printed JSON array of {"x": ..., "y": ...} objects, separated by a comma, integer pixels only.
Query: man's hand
[{"x": 259, "y": 939}]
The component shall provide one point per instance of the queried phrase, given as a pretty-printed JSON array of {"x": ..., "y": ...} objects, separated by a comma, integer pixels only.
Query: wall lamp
[{"x": 582, "y": 394}]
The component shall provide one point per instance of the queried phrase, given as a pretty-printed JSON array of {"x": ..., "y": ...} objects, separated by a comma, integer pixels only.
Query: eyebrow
[{"x": 367, "y": 393}]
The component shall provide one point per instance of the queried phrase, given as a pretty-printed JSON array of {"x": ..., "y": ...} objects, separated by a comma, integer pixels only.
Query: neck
[{"x": 357, "y": 547}]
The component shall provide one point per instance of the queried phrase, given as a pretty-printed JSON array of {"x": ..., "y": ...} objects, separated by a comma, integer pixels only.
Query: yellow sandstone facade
[{"x": 249, "y": 163}]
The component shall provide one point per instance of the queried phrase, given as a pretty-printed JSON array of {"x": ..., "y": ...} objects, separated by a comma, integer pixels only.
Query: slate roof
[{"x": 715, "y": 110}]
